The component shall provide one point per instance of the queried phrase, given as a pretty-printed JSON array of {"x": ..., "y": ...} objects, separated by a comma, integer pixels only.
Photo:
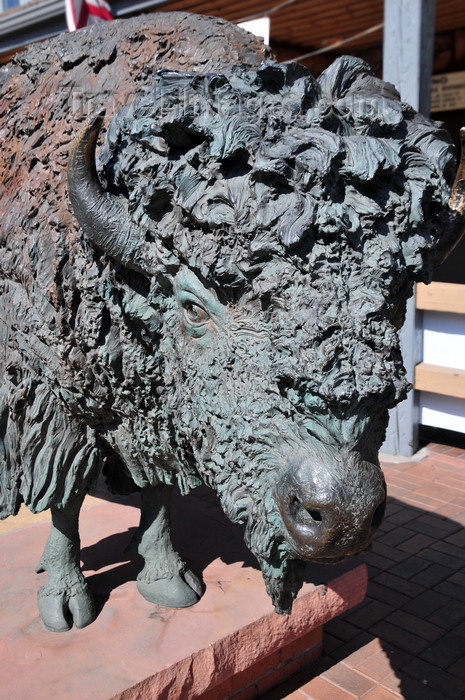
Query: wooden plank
[
  {"x": 441, "y": 296},
  {"x": 440, "y": 380}
]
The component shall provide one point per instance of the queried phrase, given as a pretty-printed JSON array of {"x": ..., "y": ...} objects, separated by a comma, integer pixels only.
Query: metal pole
[{"x": 408, "y": 53}]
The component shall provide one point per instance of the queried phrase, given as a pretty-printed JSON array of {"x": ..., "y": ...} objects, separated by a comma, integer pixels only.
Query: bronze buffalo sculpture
[{"x": 217, "y": 301}]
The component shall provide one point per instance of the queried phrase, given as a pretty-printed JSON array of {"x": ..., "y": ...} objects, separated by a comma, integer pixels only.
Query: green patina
[{"x": 229, "y": 313}]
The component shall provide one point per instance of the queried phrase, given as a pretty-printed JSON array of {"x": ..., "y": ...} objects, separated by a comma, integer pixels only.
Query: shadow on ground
[
  {"x": 409, "y": 633},
  {"x": 415, "y": 605},
  {"x": 201, "y": 533}
]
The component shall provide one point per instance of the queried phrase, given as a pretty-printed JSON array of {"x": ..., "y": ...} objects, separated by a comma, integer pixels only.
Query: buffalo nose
[
  {"x": 310, "y": 513},
  {"x": 331, "y": 510}
]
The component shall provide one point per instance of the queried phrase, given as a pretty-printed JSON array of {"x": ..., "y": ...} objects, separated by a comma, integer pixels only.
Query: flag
[{"x": 80, "y": 13}]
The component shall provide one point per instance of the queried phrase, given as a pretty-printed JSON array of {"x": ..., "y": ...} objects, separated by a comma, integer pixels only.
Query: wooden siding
[
  {"x": 440, "y": 380},
  {"x": 445, "y": 298},
  {"x": 307, "y": 24},
  {"x": 441, "y": 296},
  {"x": 296, "y": 28}
]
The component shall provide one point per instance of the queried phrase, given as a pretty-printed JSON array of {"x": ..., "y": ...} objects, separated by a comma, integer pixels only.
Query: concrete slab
[{"x": 137, "y": 649}]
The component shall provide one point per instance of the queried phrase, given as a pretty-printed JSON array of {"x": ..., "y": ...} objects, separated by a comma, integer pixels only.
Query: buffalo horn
[{"x": 103, "y": 217}]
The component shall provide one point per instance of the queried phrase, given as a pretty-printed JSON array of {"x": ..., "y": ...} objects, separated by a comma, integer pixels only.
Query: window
[{"x": 11, "y": 4}]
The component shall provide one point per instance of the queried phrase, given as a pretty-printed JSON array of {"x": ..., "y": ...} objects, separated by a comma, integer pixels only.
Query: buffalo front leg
[
  {"x": 65, "y": 598},
  {"x": 165, "y": 578}
]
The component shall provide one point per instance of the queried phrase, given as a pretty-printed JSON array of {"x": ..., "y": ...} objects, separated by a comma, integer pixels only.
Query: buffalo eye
[{"x": 195, "y": 314}]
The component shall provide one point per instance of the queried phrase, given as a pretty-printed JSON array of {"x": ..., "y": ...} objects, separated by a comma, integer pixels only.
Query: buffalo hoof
[
  {"x": 60, "y": 610},
  {"x": 173, "y": 592}
]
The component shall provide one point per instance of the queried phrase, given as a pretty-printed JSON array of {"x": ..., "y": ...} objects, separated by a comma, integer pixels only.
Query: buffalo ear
[{"x": 454, "y": 217}]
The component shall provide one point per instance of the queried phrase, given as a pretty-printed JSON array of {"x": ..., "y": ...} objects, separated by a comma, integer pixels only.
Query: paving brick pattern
[{"x": 407, "y": 639}]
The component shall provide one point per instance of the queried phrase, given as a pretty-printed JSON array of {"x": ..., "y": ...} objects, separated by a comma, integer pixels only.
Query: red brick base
[{"x": 271, "y": 670}]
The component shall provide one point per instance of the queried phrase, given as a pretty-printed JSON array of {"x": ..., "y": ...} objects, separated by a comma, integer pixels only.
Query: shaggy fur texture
[{"x": 280, "y": 222}]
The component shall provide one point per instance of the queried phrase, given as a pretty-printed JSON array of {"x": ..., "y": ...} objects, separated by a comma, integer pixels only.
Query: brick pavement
[{"x": 407, "y": 639}]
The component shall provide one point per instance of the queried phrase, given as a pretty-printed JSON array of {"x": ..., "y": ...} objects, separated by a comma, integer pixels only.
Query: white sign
[
  {"x": 448, "y": 92},
  {"x": 260, "y": 27}
]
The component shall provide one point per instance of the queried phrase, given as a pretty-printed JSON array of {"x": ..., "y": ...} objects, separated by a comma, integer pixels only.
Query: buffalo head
[{"x": 275, "y": 224}]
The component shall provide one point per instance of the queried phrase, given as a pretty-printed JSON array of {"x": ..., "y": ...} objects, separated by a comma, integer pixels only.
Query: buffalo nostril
[
  {"x": 378, "y": 515},
  {"x": 315, "y": 515},
  {"x": 304, "y": 515}
]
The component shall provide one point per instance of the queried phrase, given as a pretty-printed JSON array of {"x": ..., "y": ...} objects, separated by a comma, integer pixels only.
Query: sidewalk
[{"x": 407, "y": 639}]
